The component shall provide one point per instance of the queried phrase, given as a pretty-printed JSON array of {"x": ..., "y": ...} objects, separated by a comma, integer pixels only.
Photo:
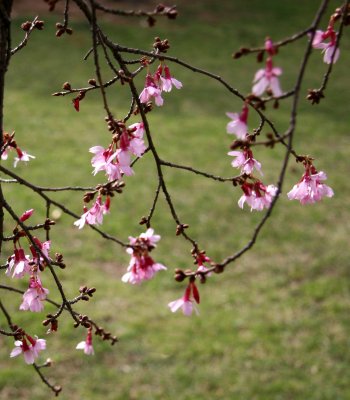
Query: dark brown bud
[
  {"x": 315, "y": 96},
  {"x": 236, "y": 55},
  {"x": 180, "y": 277},
  {"x": 81, "y": 94},
  {"x": 260, "y": 56},
  {"x": 83, "y": 289},
  {"x": 151, "y": 21},
  {"x": 85, "y": 298},
  {"x": 26, "y": 26},
  {"x": 69, "y": 31},
  {"x": 60, "y": 32},
  {"x": 92, "y": 82},
  {"x": 219, "y": 269},
  {"x": 39, "y": 25},
  {"x": 143, "y": 220},
  {"x": 160, "y": 7},
  {"x": 46, "y": 322},
  {"x": 59, "y": 25},
  {"x": 91, "y": 291},
  {"x": 172, "y": 14},
  {"x": 66, "y": 86},
  {"x": 88, "y": 196}
]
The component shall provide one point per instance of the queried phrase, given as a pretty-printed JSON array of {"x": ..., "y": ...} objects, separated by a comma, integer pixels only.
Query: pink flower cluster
[
  {"x": 115, "y": 160},
  {"x": 161, "y": 81},
  {"x": 29, "y": 347},
  {"x": 20, "y": 265},
  {"x": 245, "y": 161},
  {"x": 94, "y": 216},
  {"x": 142, "y": 266},
  {"x": 328, "y": 48},
  {"x": 310, "y": 188},
  {"x": 257, "y": 195}
]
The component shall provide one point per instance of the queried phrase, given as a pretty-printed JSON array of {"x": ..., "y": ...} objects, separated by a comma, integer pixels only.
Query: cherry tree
[{"x": 127, "y": 140}]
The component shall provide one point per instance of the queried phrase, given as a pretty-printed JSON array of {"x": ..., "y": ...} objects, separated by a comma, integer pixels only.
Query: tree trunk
[{"x": 5, "y": 48}]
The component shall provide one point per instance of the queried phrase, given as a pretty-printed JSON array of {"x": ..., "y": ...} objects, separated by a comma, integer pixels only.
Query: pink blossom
[
  {"x": 19, "y": 264},
  {"x": 168, "y": 81},
  {"x": 267, "y": 79},
  {"x": 310, "y": 188},
  {"x": 22, "y": 156},
  {"x": 257, "y": 195},
  {"x": 35, "y": 295},
  {"x": 329, "y": 49},
  {"x": 185, "y": 302},
  {"x": 132, "y": 143},
  {"x": 151, "y": 90},
  {"x": 238, "y": 125},
  {"x": 245, "y": 161},
  {"x": 142, "y": 266},
  {"x": 29, "y": 351},
  {"x": 86, "y": 345},
  {"x": 100, "y": 160},
  {"x": 94, "y": 216}
]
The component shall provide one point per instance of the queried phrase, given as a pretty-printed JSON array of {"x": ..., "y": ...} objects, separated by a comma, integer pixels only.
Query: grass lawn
[{"x": 275, "y": 325}]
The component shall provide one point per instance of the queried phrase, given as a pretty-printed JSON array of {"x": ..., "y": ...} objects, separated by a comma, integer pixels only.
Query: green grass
[{"x": 275, "y": 325}]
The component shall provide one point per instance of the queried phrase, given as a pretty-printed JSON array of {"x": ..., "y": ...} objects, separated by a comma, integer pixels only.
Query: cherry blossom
[
  {"x": 151, "y": 90},
  {"x": 267, "y": 79},
  {"x": 94, "y": 216},
  {"x": 19, "y": 264},
  {"x": 238, "y": 125},
  {"x": 142, "y": 266},
  {"x": 167, "y": 82},
  {"x": 35, "y": 295},
  {"x": 30, "y": 351},
  {"x": 22, "y": 156},
  {"x": 310, "y": 188},
  {"x": 257, "y": 195},
  {"x": 86, "y": 345},
  {"x": 245, "y": 161},
  {"x": 329, "y": 49},
  {"x": 100, "y": 160},
  {"x": 185, "y": 302},
  {"x": 44, "y": 248}
]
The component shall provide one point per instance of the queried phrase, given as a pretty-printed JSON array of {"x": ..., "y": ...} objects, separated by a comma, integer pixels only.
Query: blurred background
[{"x": 276, "y": 324}]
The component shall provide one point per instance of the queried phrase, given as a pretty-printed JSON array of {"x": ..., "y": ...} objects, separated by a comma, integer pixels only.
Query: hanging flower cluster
[
  {"x": 142, "y": 266},
  {"x": 29, "y": 347},
  {"x": 115, "y": 160},
  {"x": 21, "y": 265},
  {"x": 161, "y": 81},
  {"x": 327, "y": 42},
  {"x": 310, "y": 188}
]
